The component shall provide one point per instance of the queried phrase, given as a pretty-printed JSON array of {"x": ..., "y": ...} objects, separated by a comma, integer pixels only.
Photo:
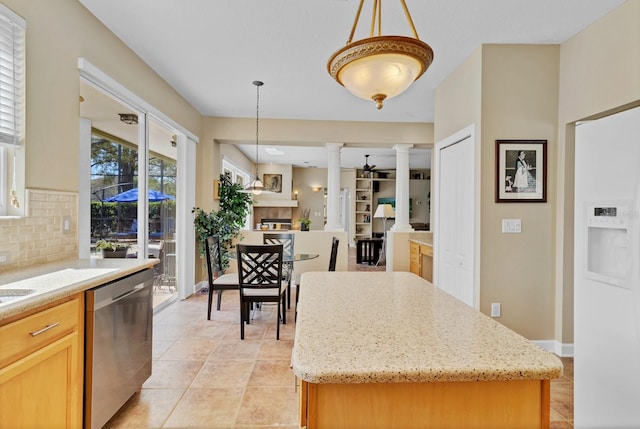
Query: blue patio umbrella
[{"x": 131, "y": 196}]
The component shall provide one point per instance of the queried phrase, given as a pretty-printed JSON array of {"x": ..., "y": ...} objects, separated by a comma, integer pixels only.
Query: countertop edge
[
  {"x": 45, "y": 295},
  {"x": 436, "y": 376}
]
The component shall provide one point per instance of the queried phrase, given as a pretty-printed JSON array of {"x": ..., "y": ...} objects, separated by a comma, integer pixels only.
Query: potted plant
[
  {"x": 111, "y": 249},
  {"x": 304, "y": 219},
  {"x": 225, "y": 222}
]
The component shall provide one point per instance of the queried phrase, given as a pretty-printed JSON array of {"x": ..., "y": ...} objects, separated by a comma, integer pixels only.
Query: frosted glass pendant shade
[
  {"x": 380, "y": 68},
  {"x": 255, "y": 187},
  {"x": 379, "y": 76}
]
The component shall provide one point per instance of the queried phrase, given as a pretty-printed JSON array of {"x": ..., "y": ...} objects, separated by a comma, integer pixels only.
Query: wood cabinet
[
  {"x": 421, "y": 260},
  {"x": 41, "y": 366},
  {"x": 487, "y": 404},
  {"x": 364, "y": 205}
]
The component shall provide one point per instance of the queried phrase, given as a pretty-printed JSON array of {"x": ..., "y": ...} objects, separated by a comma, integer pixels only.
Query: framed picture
[
  {"x": 521, "y": 171},
  {"x": 240, "y": 180},
  {"x": 216, "y": 189},
  {"x": 273, "y": 182}
]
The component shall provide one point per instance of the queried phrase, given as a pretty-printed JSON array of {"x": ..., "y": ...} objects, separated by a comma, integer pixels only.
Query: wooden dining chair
[
  {"x": 287, "y": 241},
  {"x": 218, "y": 280},
  {"x": 260, "y": 276},
  {"x": 333, "y": 257}
]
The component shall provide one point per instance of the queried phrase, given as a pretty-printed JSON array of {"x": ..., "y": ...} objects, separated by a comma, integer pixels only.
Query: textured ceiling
[{"x": 211, "y": 51}]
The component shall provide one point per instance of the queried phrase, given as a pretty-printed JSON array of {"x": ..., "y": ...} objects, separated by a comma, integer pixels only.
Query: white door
[{"x": 455, "y": 219}]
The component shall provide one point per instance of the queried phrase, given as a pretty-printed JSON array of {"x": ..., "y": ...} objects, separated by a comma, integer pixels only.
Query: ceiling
[{"x": 211, "y": 51}]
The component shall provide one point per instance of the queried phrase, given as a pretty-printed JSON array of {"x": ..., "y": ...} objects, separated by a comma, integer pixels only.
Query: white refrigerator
[{"x": 607, "y": 272}]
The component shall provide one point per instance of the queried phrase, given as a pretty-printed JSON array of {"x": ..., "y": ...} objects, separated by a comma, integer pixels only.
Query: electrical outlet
[
  {"x": 5, "y": 257},
  {"x": 66, "y": 224},
  {"x": 495, "y": 309}
]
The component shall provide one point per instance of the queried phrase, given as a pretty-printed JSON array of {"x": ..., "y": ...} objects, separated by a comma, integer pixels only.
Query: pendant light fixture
[
  {"x": 256, "y": 186},
  {"x": 380, "y": 67}
]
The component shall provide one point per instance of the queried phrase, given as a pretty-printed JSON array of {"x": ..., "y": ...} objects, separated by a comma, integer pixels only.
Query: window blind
[{"x": 12, "y": 76}]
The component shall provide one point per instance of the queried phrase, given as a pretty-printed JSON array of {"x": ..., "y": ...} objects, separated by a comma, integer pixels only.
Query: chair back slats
[
  {"x": 260, "y": 274},
  {"x": 260, "y": 266},
  {"x": 286, "y": 239},
  {"x": 334, "y": 254},
  {"x": 214, "y": 259}
]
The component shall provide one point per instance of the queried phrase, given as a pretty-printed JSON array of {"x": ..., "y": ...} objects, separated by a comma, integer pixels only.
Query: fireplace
[{"x": 271, "y": 216}]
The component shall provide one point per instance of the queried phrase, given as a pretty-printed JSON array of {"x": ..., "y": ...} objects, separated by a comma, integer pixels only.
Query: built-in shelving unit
[{"x": 364, "y": 205}]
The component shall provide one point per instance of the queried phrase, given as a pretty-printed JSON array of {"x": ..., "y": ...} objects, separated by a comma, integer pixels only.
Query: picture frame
[
  {"x": 273, "y": 182},
  {"x": 240, "y": 180},
  {"x": 216, "y": 189},
  {"x": 521, "y": 171}
]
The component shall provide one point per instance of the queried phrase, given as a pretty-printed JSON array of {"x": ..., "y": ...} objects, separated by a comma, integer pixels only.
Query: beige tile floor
[{"x": 204, "y": 376}]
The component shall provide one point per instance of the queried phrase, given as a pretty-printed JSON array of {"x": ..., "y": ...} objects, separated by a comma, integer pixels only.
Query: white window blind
[{"x": 12, "y": 76}]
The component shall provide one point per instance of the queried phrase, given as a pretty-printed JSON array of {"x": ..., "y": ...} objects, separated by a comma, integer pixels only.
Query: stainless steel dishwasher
[{"x": 118, "y": 333}]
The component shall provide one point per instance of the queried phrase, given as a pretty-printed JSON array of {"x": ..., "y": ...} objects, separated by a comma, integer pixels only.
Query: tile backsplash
[{"x": 39, "y": 238}]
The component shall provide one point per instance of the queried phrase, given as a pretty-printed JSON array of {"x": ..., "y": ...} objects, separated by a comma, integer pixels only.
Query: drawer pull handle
[{"x": 45, "y": 329}]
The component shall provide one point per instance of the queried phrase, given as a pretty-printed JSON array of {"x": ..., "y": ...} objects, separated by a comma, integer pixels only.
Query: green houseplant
[
  {"x": 304, "y": 219},
  {"x": 111, "y": 249},
  {"x": 224, "y": 222}
]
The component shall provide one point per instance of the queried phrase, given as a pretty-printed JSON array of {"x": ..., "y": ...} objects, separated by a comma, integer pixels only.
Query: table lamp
[{"x": 384, "y": 211}]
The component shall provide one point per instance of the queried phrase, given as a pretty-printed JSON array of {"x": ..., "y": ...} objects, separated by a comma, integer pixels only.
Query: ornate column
[
  {"x": 402, "y": 188},
  {"x": 333, "y": 188}
]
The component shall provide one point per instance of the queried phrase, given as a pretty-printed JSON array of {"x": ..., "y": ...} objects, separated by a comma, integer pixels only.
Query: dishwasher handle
[
  {"x": 126, "y": 294},
  {"x": 118, "y": 290}
]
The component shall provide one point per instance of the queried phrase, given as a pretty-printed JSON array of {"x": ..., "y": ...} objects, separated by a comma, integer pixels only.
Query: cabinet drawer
[
  {"x": 414, "y": 247},
  {"x": 414, "y": 268},
  {"x": 414, "y": 258},
  {"x": 23, "y": 336},
  {"x": 426, "y": 250}
]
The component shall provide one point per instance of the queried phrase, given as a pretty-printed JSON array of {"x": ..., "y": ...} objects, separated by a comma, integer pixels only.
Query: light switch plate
[{"x": 511, "y": 226}]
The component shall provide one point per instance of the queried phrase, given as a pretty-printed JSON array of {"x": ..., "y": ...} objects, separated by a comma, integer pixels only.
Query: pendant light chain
[{"x": 257, "y": 84}]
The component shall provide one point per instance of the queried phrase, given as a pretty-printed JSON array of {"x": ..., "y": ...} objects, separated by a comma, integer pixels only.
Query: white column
[
  {"x": 402, "y": 188},
  {"x": 333, "y": 188}
]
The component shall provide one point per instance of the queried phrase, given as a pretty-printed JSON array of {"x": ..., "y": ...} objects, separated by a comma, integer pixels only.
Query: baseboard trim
[
  {"x": 200, "y": 286},
  {"x": 555, "y": 347}
]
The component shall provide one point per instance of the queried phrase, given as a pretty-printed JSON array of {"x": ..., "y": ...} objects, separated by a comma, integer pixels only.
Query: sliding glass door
[{"x": 125, "y": 160}]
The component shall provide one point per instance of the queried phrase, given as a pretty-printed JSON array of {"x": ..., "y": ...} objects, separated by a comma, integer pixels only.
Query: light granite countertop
[
  {"x": 422, "y": 241},
  {"x": 395, "y": 327},
  {"x": 61, "y": 279}
]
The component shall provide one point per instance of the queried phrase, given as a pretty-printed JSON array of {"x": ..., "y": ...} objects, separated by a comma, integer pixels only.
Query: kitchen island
[{"x": 390, "y": 350}]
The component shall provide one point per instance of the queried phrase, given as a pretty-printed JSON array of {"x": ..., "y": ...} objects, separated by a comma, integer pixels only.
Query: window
[{"x": 12, "y": 90}]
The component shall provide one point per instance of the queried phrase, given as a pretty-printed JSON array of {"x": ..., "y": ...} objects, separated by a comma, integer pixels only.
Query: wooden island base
[{"x": 485, "y": 404}]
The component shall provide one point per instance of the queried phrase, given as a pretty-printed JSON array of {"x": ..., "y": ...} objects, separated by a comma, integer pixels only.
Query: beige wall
[
  {"x": 509, "y": 92},
  {"x": 599, "y": 75},
  {"x": 519, "y": 101},
  {"x": 459, "y": 98},
  {"x": 304, "y": 132},
  {"x": 513, "y": 92},
  {"x": 58, "y": 33}
]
